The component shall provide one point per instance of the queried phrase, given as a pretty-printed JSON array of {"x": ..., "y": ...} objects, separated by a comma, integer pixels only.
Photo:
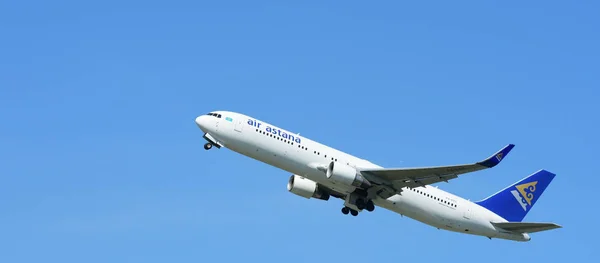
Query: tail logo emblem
[
  {"x": 524, "y": 194},
  {"x": 499, "y": 156}
]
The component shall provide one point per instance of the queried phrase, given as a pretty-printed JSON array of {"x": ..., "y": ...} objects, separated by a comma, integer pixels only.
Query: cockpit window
[{"x": 214, "y": 114}]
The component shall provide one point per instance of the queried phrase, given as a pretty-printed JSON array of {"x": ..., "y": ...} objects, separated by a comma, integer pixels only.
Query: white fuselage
[{"x": 430, "y": 205}]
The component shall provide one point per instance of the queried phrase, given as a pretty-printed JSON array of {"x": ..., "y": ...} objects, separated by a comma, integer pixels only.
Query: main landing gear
[
  {"x": 346, "y": 210},
  {"x": 360, "y": 204},
  {"x": 208, "y": 146}
]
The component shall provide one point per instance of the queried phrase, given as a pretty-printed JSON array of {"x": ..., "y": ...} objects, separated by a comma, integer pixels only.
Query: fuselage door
[
  {"x": 239, "y": 125},
  {"x": 467, "y": 212}
]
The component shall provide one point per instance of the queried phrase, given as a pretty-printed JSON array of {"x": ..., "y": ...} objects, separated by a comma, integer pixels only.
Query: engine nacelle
[
  {"x": 345, "y": 174},
  {"x": 306, "y": 188}
]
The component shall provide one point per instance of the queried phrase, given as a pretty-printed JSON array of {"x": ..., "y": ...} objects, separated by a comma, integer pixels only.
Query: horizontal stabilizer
[{"x": 521, "y": 227}]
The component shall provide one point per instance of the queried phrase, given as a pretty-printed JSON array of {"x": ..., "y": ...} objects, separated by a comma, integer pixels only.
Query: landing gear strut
[{"x": 208, "y": 146}]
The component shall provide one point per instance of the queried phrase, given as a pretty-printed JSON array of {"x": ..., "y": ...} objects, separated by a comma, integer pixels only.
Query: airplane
[{"x": 320, "y": 172}]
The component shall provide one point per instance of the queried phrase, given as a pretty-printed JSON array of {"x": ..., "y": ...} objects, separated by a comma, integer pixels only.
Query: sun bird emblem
[{"x": 524, "y": 194}]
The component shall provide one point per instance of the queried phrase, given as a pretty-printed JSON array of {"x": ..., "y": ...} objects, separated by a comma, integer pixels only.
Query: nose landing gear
[
  {"x": 211, "y": 141},
  {"x": 208, "y": 146}
]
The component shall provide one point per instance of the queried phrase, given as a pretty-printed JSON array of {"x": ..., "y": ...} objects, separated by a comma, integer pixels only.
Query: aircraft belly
[{"x": 414, "y": 207}]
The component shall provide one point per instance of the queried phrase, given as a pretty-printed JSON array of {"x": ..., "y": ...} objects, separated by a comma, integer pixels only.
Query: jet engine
[
  {"x": 306, "y": 188},
  {"x": 345, "y": 174}
]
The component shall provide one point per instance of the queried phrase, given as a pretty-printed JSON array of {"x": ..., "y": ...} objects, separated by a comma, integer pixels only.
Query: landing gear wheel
[
  {"x": 345, "y": 210},
  {"x": 354, "y": 212},
  {"x": 360, "y": 204},
  {"x": 208, "y": 146},
  {"x": 370, "y": 206}
]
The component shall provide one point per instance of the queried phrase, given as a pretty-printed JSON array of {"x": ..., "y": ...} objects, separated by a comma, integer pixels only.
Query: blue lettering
[{"x": 254, "y": 123}]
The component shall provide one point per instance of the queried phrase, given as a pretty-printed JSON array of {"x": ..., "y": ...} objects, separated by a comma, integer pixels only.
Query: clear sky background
[{"x": 101, "y": 161}]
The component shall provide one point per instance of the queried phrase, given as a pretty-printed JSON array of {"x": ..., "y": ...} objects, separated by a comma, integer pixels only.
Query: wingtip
[
  {"x": 508, "y": 147},
  {"x": 497, "y": 157}
]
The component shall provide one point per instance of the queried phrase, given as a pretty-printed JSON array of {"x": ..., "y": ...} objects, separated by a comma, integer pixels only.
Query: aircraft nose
[{"x": 202, "y": 122}]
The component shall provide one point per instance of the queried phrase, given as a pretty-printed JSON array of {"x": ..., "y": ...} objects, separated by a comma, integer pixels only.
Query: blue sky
[{"x": 101, "y": 161}]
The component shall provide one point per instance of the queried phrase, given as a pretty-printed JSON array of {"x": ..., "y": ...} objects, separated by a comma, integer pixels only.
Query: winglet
[{"x": 497, "y": 157}]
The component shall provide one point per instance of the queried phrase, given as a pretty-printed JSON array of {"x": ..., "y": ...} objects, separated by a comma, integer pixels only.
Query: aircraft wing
[{"x": 415, "y": 177}]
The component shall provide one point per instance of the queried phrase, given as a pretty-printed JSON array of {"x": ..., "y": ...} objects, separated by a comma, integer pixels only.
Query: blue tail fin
[{"x": 514, "y": 202}]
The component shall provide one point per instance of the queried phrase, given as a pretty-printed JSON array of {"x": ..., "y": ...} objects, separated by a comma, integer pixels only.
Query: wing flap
[{"x": 526, "y": 227}]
